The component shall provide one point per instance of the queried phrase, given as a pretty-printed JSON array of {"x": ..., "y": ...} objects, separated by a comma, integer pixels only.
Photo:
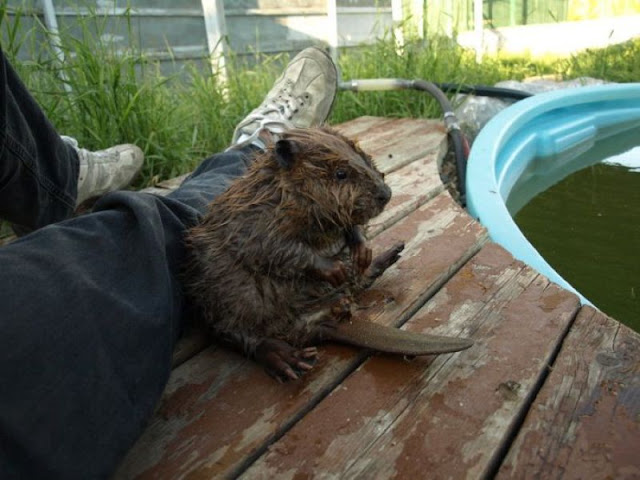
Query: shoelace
[{"x": 284, "y": 105}]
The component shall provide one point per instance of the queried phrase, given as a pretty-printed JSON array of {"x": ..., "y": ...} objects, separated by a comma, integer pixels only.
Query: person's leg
[
  {"x": 90, "y": 309},
  {"x": 32, "y": 192},
  {"x": 43, "y": 176}
]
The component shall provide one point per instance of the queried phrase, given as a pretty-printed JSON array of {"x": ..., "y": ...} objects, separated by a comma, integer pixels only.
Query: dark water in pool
[{"x": 587, "y": 227}]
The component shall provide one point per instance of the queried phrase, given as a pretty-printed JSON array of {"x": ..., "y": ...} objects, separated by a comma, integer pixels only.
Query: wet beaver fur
[{"x": 276, "y": 260}]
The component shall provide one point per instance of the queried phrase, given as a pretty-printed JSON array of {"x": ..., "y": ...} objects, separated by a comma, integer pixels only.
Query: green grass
[{"x": 115, "y": 97}]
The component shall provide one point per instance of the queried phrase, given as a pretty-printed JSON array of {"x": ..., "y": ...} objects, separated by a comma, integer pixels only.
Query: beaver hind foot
[{"x": 283, "y": 361}]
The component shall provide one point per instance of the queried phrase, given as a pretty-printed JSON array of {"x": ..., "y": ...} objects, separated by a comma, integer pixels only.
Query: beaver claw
[
  {"x": 284, "y": 362},
  {"x": 332, "y": 271},
  {"x": 381, "y": 263},
  {"x": 362, "y": 256}
]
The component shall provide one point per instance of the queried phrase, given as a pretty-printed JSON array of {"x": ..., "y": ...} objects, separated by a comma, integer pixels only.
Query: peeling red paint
[
  {"x": 428, "y": 417},
  {"x": 443, "y": 415},
  {"x": 585, "y": 422}
]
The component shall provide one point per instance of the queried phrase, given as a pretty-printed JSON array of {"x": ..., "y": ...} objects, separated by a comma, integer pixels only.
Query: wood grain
[
  {"x": 220, "y": 410},
  {"x": 396, "y": 144},
  {"x": 442, "y": 417},
  {"x": 452, "y": 416},
  {"x": 585, "y": 423},
  {"x": 358, "y": 126},
  {"x": 412, "y": 185}
]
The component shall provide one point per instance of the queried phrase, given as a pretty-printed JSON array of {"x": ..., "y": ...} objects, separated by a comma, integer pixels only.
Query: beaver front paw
[
  {"x": 332, "y": 271},
  {"x": 362, "y": 256},
  {"x": 284, "y": 362}
]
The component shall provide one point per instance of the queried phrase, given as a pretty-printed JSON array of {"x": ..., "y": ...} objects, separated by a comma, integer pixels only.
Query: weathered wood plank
[
  {"x": 193, "y": 340},
  {"x": 402, "y": 141},
  {"x": 412, "y": 185},
  {"x": 219, "y": 410},
  {"x": 585, "y": 423},
  {"x": 358, "y": 126},
  {"x": 393, "y": 143},
  {"x": 442, "y": 417}
]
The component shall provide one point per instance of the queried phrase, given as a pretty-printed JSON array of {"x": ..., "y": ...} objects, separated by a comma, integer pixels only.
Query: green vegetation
[{"x": 114, "y": 96}]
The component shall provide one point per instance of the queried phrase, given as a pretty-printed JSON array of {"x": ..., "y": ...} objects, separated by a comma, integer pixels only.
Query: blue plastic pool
[{"x": 535, "y": 143}]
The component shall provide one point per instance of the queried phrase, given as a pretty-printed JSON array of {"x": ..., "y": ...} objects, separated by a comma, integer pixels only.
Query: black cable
[
  {"x": 458, "y": 140},
  {"x": 460, "y": 145},
  {"x": 484, "y": 91}
]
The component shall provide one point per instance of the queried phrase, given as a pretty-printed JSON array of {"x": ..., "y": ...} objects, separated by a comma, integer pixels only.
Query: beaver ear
[{"x": 286, "y": 152}]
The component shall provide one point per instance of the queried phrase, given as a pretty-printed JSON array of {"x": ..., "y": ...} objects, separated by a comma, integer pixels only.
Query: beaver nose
[{"x": 383, "y": 195}]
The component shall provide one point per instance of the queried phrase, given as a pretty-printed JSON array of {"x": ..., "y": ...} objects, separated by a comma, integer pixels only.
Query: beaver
[{"x": 277, "y": 259}]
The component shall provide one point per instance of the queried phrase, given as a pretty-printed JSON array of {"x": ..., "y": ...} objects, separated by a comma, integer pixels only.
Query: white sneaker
[
  {"x": 105, "y": 170},
  {"x": 302, "y": 97}
]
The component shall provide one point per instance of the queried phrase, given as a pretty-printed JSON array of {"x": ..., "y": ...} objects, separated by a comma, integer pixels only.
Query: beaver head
[{"x": 329, "y": 177}]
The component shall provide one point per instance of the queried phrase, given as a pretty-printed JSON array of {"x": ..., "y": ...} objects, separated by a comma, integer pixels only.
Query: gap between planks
[
  {"x": 519, "y": 420},
  {"x": 371, "y": 125},
  {"x": 408, "y": 151},
  {"x": 391, "y": 419},
  {"x": 395, "y": 144},
  {"x": 585, "y": 422},
  {"x": 210, "y": 422}
]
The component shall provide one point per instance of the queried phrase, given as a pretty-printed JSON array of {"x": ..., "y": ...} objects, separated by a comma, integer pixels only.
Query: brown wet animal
[{"x": 276, "y": 261}]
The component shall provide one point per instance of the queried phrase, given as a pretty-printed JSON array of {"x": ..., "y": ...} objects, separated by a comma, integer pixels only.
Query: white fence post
[
  {"x": 214, "y": 22},
  {"x": 51, "y": 23},
  {"x": 396, "y": 20},
  {"x": 478, "y": 27},
  {"x": 332, "y": 34},
  {"x": 417, "y": 11}
]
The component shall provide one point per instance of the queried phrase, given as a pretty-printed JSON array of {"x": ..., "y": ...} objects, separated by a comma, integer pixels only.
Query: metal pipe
[
  {"x": 374, "y": 84},
  {"x": 332, "y": 34}
]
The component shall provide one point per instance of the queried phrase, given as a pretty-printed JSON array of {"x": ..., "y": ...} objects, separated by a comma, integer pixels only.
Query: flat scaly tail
[{"x": 378, "y": 337}]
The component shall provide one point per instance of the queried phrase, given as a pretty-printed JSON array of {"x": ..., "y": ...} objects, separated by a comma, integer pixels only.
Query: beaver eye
[{"x": 341, "y": 174}]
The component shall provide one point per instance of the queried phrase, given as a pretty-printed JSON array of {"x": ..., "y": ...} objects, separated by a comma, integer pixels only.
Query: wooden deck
[{"x": 549, "y": 389}]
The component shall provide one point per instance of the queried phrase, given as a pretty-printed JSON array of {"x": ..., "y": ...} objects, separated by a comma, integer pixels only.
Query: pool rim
[{"x": 484, "y": 183}]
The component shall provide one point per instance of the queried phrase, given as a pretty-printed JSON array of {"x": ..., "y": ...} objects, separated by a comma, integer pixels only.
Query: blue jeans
[{"x": 90, "y": 307}]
